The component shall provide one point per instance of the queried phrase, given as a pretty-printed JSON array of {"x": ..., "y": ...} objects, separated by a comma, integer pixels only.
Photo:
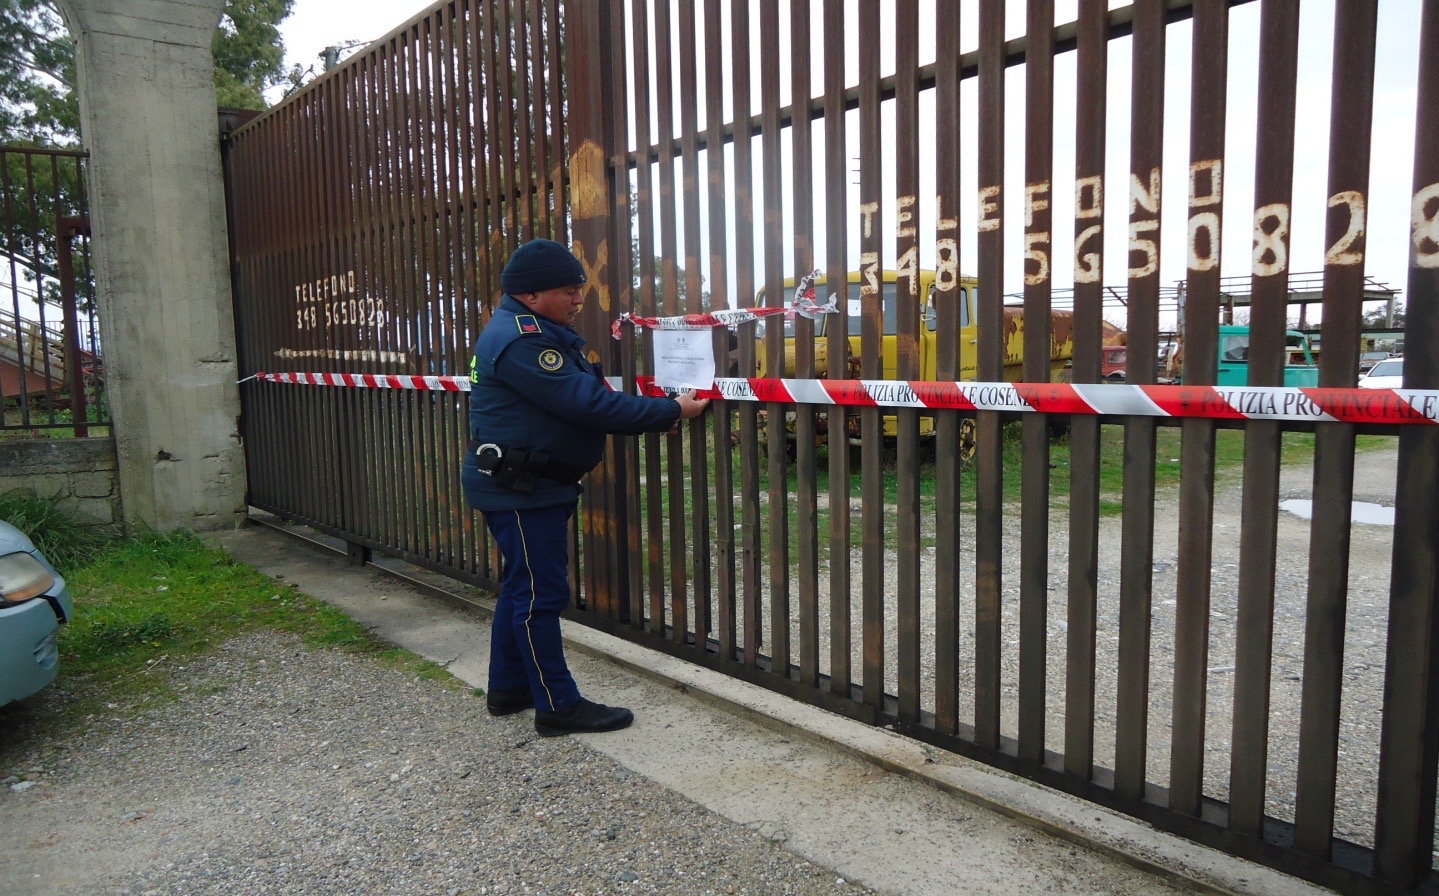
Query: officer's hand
[{"x": 691, "y": 405}]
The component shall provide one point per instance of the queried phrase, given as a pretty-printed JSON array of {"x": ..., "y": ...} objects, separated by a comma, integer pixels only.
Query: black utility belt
[{"x": 519, "y": 468}]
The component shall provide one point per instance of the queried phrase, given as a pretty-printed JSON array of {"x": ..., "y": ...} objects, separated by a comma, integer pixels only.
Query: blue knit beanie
[{"x": 540, "y": 265}]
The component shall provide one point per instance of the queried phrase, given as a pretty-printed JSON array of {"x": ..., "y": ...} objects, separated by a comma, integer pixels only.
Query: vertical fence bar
[
  {"x": 383, "y": 412},
  {"x": 871, "y": 183},
  {"x": 744, "y": 224},
  {"x": 907, "y": 319},
  {"x": 1199, "y": 323},
  {"x": 697, "y": 429},
  {"x": 1091, "y": 71},
  {"x": 670, "y": 302},
  {"x": 554, "y": 34},
  {"x": 989, "y": 504},
  {"x": 359, "y": 132},
  {"x": 720, "y": 415},
  {"x": 527, "y": 132},
  {"x": 837, "y": 342},
  {"x": 540, "y": 90},
  {"x": 1131, "y": 720},
  {"x": 949, "y": 293},
  {"x": 1273, "y": 187},
  {"x": 630, "y": 568},
  {"x": 774, "y": 239},
  {"x": 1034, "y": 512},
  {"x": 1351, "y": 118},
  {"x": 1409, "y": 742},
  {"x": 496, "y": 154},
  {"x": 806, "y": 498},
  {"x": 620, "y": 548},
  {"x": 648, "y": 304},
  {"x": 590, "y": 75}
]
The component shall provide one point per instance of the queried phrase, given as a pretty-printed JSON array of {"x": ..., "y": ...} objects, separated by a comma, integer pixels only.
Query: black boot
[
  {"x": 504, "y": 703},
  {"x": 581, "y": 717}
]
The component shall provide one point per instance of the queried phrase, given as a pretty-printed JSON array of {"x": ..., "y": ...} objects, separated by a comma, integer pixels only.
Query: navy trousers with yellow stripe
[{"x": 525, "y": 648}]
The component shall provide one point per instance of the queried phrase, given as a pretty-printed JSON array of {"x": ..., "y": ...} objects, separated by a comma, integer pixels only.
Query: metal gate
[{"x": 706, "y": 154}]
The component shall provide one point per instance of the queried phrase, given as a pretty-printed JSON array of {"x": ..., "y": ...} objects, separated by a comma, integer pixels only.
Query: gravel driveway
[{"x": 285, "y": 770}]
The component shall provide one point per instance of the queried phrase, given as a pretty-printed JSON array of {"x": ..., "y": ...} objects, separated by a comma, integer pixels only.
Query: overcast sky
[{"x": 316, "y": 24}]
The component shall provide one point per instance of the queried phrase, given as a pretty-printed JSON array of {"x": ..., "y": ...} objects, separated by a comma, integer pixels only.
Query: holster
[{"x": 518, "y": 468}]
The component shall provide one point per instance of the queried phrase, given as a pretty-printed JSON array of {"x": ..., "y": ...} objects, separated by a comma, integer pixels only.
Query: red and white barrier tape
[
  {"x": 368, "y": 381},
  {"x": 1386, "y": 406},
  {"x": 805, "y": 304}
]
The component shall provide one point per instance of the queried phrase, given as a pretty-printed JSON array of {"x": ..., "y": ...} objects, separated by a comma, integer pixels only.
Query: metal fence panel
[{"x": 700, "y": 155}]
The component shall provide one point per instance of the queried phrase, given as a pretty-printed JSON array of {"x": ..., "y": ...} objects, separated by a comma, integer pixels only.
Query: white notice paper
[{"x": 684, "y": 359}]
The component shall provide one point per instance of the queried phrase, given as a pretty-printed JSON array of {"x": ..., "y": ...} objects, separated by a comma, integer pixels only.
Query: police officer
[{"x": 539, "y": 415}]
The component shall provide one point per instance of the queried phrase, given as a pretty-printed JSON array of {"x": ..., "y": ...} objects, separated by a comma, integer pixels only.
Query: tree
[
  {"x": 39, "y": 107},
  {"x": 1379, "y": 316},
  {"x": 37, "y": 97},
  {"x": 37, "y": 102}
]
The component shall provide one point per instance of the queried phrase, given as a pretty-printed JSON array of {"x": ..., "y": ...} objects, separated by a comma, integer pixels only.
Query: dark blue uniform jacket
[{"x": 531, "y": 388}]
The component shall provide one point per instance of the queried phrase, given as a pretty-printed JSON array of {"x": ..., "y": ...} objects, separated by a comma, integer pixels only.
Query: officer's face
[{"x": 560, "y": 305}]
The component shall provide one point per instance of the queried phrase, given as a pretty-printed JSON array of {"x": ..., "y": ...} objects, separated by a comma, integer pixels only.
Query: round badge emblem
[{"x": 551, "y": 359}]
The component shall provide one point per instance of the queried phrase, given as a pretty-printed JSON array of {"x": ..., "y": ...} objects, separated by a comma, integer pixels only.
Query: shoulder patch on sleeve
[
  {"x": 551, "y": 359},
  {"x": 528, "y": 325}
]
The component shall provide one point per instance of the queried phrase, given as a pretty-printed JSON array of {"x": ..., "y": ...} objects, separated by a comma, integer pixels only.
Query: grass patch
[
  {"x": 65, "y": 539},
  {"x": 175, "y": 595},
  {"x": 147, "y": 605}
]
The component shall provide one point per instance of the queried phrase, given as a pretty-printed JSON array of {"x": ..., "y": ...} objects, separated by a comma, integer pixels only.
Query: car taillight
[{"x": 22, "y": 578}]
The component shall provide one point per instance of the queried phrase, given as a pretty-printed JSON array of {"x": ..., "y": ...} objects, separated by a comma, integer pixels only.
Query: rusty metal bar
[
  {"x": 725, "y": 589},
  {"x": 907, "y": 319},
  {"x": 595, "y": 536},
  {"x": 1082, "y": 614},
  {"x": 631, "y": 546},
  {"x": 1199, "y": 323},
  {"x": 1352, "y": 105},
  {"x": 873, "y": 586},
  {"x": 1131, "y": 721},
  {"x": 387, "y": 273},
  {"x": 66, "y": 231},
  {"x": 670, "y": 300},
  {"x": 525, "y": 133},
  {"x": 1409, "y": 742},
  {"x": 539, "y": 92},
  {"x": 1034, "y": 501},
  {"x": 1273, "y": 187},
  {"x": 647, "y": 303},
  {"x": 608, "y": 514},
  {"x": 696, "y": 430},
  {"x": 557, "y": 132},
  {"x": 771, "y": 158},
  {"x": 949, "y": 293},
  {"x": 349, "y": 85},
  {"x": 989, "y": 504},
  {"x": 836, "y": 179},
  {"x": 806, "y": 498},
  {"x": 744, "y": 224},
  {"x": 497, "y": 244}
]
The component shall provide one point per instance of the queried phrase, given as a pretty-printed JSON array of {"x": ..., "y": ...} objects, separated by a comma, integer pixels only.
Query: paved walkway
[{"x": 876, "y": 808}]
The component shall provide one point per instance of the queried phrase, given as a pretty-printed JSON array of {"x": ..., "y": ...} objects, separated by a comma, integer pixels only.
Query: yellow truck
[{"x": 1061, "y": 336}]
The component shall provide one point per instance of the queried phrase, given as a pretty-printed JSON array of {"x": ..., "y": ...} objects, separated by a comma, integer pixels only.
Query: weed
[{"x": 66, "y": 539}]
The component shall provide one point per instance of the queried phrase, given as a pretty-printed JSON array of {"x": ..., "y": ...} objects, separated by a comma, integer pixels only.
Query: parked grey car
[{"x": 34, "y": 603}]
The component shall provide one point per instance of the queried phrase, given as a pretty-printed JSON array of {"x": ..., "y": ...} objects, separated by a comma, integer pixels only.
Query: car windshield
[{"x": 1392, "y": 367}]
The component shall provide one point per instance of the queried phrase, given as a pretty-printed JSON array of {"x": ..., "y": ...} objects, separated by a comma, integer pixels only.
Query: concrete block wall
[{"x": 78, "y": 474}]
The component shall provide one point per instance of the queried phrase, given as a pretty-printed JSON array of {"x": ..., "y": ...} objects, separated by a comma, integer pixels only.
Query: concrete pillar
[{"x": 161, "y": 255}]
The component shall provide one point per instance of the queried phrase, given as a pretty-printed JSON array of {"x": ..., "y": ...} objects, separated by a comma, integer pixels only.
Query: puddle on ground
[{"x": 1362, "y": 512}]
